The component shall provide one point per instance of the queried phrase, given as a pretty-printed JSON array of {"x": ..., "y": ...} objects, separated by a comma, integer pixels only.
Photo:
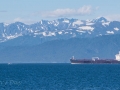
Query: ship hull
[{"x": 88, "y": 61}]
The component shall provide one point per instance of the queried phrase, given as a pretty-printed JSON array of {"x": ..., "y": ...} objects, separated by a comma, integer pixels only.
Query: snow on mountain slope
[{"x": 63, "y": 28}]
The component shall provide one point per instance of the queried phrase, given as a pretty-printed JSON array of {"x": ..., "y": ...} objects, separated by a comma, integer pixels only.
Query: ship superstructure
[{"x": 118, "y": 56}]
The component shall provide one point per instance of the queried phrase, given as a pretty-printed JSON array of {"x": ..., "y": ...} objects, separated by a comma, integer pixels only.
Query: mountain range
[
  {"x": 59, "y": 29},
  {"x": 58, "y": 40}
]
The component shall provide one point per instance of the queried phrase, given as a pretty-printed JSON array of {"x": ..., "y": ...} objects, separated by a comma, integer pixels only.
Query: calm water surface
[{"x": 59, "y": 77}]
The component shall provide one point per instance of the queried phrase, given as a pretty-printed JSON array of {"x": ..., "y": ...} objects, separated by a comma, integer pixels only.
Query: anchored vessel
[{"x": 95, "y": 60}]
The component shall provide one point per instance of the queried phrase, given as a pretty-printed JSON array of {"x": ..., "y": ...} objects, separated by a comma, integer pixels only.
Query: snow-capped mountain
[{"x": 60, "y": 29}]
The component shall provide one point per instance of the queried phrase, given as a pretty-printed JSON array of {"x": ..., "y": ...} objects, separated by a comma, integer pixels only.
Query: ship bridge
[{"x": 118, "y": 56}]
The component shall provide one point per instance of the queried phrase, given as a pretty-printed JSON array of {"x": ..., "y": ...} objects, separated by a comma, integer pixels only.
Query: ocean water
[{"x": 59, "y": 77}]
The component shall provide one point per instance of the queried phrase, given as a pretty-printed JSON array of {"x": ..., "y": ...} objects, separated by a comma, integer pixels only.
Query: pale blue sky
[{"x": 29, "y": 11}]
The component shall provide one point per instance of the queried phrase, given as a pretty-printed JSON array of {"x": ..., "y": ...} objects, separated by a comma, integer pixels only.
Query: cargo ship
[{"x": 96, "y": 60}]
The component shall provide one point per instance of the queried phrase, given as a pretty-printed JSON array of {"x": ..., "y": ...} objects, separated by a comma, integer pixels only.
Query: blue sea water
[{"x": 59, "y": 77}]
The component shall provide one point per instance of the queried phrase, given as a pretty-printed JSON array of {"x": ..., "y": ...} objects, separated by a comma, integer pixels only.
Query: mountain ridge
[{"x": 63, "y": 28}]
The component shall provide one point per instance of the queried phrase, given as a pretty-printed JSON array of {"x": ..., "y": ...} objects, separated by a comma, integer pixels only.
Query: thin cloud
[
  {"x": 26, "y": 21},
  {"x": 2, "y": 11},
  {"x": 18, "y": 19},
  {"x": 115, "y": 17},
  {"x": 85, "y": 10}
]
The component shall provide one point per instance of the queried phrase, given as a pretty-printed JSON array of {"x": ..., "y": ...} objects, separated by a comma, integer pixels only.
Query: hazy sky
[{"x": 29, "y": 11}]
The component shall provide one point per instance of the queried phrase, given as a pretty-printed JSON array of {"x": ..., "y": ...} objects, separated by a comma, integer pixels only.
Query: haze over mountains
[{"x": 58, "y": 40}]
